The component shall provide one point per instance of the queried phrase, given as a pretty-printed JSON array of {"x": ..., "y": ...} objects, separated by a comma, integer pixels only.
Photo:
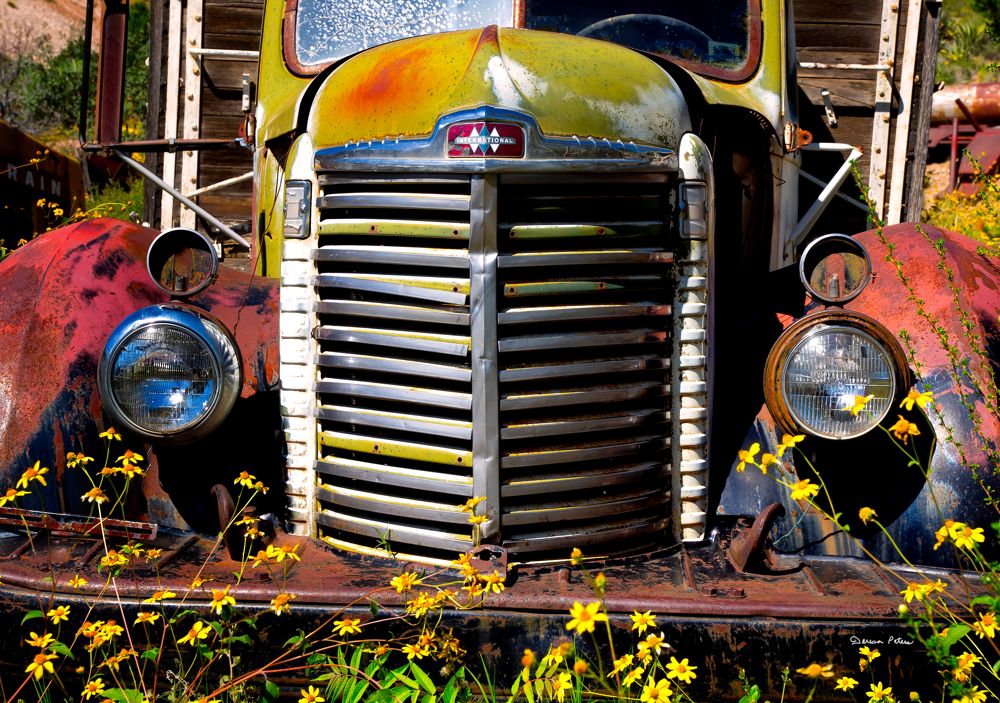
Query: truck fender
[
  {"x": 64, "y": 293},
  {"x": 938, "y": 293}
]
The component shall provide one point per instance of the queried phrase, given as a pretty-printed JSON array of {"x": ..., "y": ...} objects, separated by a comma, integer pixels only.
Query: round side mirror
[
  {"x": 835, "y": 268},
  {"x": 182, "y": 262}
]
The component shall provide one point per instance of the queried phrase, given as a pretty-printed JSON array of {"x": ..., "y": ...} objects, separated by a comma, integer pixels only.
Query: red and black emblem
[{"x": 485, "y": 140}]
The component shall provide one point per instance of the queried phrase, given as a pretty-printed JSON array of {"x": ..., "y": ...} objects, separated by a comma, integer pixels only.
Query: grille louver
[{"x": 583, "y": 285}]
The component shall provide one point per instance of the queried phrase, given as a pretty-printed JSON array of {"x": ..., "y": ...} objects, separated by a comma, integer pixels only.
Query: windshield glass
[
  {"x": 716, "y": 36},
  {"x": 326, "y": 31}
]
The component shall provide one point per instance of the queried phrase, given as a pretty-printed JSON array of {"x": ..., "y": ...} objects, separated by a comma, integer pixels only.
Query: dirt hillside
[{"x": 60, "y": 19}]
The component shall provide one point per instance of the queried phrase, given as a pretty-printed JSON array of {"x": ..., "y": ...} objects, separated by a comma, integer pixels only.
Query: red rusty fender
[
  {"x": 985, "y": 149},
  {"x": 63, "y": 294}
]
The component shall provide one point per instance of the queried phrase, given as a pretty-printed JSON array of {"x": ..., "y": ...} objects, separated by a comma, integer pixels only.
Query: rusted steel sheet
[
  {"x": 945, "y": 361},
  {"x": 982, "y": 100},
  {"x": 64, "y": 293},
  {"x": 981, "y": 156}
]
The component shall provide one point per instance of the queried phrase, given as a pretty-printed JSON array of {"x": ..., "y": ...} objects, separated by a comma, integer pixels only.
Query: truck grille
[{"x": 506, "y": 336}]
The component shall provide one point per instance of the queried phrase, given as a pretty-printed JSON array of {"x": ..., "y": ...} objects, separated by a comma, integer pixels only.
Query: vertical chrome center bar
[{"x": 483, "y": 309}]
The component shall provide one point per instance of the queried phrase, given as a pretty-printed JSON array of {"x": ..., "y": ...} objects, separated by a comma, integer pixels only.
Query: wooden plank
[
  {"x": 192, "y": 104},
  {"x": 174, "y": 44},
  {"x": 155, "y": 96},
  {"x": 917, "y": 158},
  {"x": 845, "y": 11}
]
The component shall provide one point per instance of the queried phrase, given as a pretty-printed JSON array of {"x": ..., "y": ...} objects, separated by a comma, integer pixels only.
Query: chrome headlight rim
[
  {"x": 210, "y": 333},
  {"x": 801, "y": 331}
]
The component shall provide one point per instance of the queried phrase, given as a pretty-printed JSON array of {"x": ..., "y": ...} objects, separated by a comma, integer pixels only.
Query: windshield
[
  {"x": 720, "y": 38},
  {"x": 708, "y": 37},
  {"x": 326, "y": 31}
]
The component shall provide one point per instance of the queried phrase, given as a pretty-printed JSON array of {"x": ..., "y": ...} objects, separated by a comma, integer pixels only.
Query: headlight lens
[
  {"x": 169, "y": 372},
  {"x": 834, "y": 375}
]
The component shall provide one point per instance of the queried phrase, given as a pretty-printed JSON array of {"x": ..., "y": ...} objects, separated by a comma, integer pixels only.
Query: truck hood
[{"x": 572, "y": 86}]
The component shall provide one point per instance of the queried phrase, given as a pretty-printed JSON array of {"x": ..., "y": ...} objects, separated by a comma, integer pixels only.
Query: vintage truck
[{"x": 548, "y": 254}]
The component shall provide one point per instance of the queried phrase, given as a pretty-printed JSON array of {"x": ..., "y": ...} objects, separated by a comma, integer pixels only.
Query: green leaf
[
  {"x": 373, "y": 608},
  {"x": 341, "y": 659},
  {"x": 359, "y": 690},
  {"x": 151, "y": 654},
  {"x": 529, "y": 692},
  {"x": 984, "y": 600},
  {"x": 955, "y": 633},
  {"x": 429, "y": 698},
  {"x": 408, "y": 682},
  {"x": 513, "y": 689},
  {"x": 32, "y": 615},
  {"x": 271, "y": 692},
  {"x": 62, "y": 649},
  {"x": 422, "y": 678},
  {"x": 127, "y": 695},
  {"x": 356, "y": 659}
]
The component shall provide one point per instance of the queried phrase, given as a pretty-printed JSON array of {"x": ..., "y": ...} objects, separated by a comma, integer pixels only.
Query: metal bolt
[
  {"x": 197, "y": 18},
  {"x": 191, "y": 96},
  {"x": 894, "y": 8},
  {"x": 193, "y": 42},
  {"x": 195, "y": 71},
  {"x": 878, "y": 150},
  {"x": 885, "y": 118}
]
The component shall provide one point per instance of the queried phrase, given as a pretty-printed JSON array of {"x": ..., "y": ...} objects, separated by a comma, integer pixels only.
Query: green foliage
[{"x": 969, "y": 50}]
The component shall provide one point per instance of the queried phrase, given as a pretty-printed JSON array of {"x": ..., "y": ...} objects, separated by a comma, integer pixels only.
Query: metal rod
[
  {"x": 234, "y": 54},
  {"x": 968, "y": 115},
  {"x": 845, "y": 66},
  {"x": 818, "y": 181},
  {"x": 953, "y": 175},
  {"x": 897, "y": 178},
  {"x": 88, "y": 33},
  {"x": 205, "y": 215},
  {"x": 804, "y": 226},
  {"x": 221, "y": 184}
]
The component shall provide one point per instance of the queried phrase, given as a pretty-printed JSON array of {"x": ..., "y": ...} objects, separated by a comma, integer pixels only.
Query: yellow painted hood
[{"x": 572, "y": 86}]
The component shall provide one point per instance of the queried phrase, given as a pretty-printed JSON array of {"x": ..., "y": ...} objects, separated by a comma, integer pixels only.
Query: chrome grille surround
[{"x": 415, "y": 380}]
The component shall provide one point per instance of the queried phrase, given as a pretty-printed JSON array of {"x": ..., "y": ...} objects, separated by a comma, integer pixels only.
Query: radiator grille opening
[{"x": 583, "y": 290}]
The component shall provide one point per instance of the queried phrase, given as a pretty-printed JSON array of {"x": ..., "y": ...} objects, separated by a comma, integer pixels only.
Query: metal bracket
[{"x": 831, "y": 116}]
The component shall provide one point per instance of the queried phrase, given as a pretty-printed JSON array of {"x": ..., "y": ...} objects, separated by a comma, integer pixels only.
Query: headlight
[
  {"x": 169, "y": 373},
  {"x": 825, "y": 366}
]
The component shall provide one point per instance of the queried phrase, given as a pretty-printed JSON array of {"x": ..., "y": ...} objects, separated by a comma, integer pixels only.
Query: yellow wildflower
[
  {"x": 746, "y": 456},
  {"x": 493, "y": 582},
  {"x": 904, "y": 429},
  {"x": 40, "y": 665},
  {"x": 681, "y": 670},
  {"x": 943, "y": 532},
  {"x": 986, "y": 626},
  {"x": 347, "y": 626},
  {"x": 310, "y": 695},
  {"x": 973, "y": 695},
  {"x": 967, "y": 537},
  {"x": 77, "y": 582},
  {"x": 585, "y": 617},
  {"x": 471, "y": 503},
  {"x": 160, "y": 595},
  {"x": 879, "y": 693},
  {"x": 817, "y": 671},
  {"x": 921, "y": 399},
  {"x": 846, "y": 683},
  {"x": 642, "y": 621},
  {"x": 788, "y": 441},
  {"x": 95, "y": 495},
  {"x": 633, "y": 676},
  {"x": 563, "y": 684},
  {"x": 652, "y": 643},
  {"x": 220, "y": 599},
  {"x": 913, "y": 590},
  {"x": 34, "y": 473},
  {"x": 282, "y": 603},
  {"x": 73, "y": 460},
  {"x": 656, "y": 691},
  {"x": 621, "y": 663},
  {"x": 767, "y": 460},
  {"x": 804, "y": 489},
  {"x": 58, "y": 614},
  {"x": 867, "y": 515},
  {"x": 146, "y": 618},
  {"x": 868, "y": 653},
  {"x": 580, "y": 667},
  {"x": 10, "y": 496},
  {"x": 528, "y": 659},
  {"x": 109, "y": 434},
  {"x": 405, "y": 581},
  {"x": 477, "y": 519},
  {"x": 198, "y": 631},
  {"x": 245, "y": 479},
  {"x": 858, "y": 404},
  {"x": 41, "y": 641},
  {"x": 93, "y": 688},
  {"x": 129, "y": 457},
  {"x": 417, "y": 650},
  {"x": 575, "y": 556}
]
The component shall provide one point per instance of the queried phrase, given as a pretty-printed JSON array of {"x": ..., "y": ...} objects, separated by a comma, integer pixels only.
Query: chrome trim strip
[
  {"x": 372, "y": 284},
  {"x": 452, "y": 345},
  {"x": 405, "y": 508},
  {"x": 583, "y": 339},
  {"x": 516, "y": 316},
  {"x": 583, "y": 396},
  {"x": 541, "y": 153},
  {"x": 386, "y": 391},
  {"x": 554, "y": 484},
  {"x": 386, "y": 530},
  {"x": 404, "y": 201},
  {"x": 407, "y": 256},
  {"x": 388, "y": 311},
  {"x": 602, "y": 506},
  {"x": 650, "y": 443},
  {"x": 405, "y": 422},
  {"x": 586, "y": 368},
  {"x": 483, "y": 309},
  {"x": 398, "y": 476},
  {"x": 338, "y": 360},
  {"x": 641, "y": 418},
  {"x": 593, "y": 534},
  {"x": 603, "y": 258}
]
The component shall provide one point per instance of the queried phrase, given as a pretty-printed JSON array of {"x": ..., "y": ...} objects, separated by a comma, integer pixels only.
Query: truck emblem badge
[{"x": 479, "y": 139}]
